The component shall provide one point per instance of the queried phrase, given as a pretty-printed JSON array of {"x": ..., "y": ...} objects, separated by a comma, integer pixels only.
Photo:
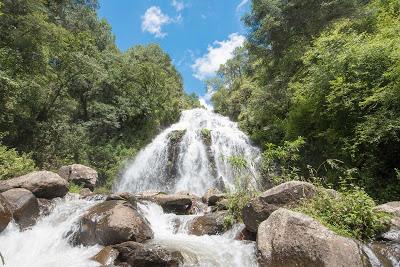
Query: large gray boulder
[
  {"x": 139, "y": 255},
  {"x": 79, "y": 174},
  {"x": 112, "y": 222},
  {"x": 43, "y": 184},
  {"x": 171, "y": 203},
  {"x": 289, "y": 238},
  {"x": 5, "y": 213},
  {"x": 208, "y": 224},
  {"x": 23, "y": 205},
  {"x": 392, "y": 208},
  {"x": 288, "y": 194}
]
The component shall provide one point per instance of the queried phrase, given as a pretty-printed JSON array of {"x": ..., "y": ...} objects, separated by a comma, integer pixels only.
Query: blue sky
[{"x": 199, "y": 35}]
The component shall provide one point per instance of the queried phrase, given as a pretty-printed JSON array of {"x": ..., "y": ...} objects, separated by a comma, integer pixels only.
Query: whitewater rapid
[
  {"x": 203, "y": 251},
  {"x": 195, "y": 171},
  {"x": 46, "y": 243}
]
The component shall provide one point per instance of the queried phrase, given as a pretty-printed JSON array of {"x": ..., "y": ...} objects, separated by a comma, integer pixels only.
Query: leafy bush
[
  {"x": 278, "y": 162},
  {"x": 236, "y": 202},
  {"x": 13, "y": 164},
  {"x": 350, "y": 214},
  {"x": 75, "y": 188},
  {"x": 243, "y": 193}
]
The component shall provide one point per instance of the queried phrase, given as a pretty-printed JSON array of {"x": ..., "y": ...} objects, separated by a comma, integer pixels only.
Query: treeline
[
  {"x": 317, "y": 85},
  {"x": 67, "y": 94}
]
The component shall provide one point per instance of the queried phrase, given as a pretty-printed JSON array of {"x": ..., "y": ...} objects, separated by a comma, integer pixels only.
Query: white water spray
[
  {"x": 206, "y": 250},
  {"x": 198, "y": 166},
  {"x": 45, "y": 245}
]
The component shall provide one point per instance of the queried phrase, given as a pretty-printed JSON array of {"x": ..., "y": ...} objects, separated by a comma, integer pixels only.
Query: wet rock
[
  {"x": 289, "y": 238},
  {"x": 143, "y": 255},
  {"x": 208, "y": 224},
  {"x": 175, "y": 138},
  {"x": 392, "y": 208},
  {"x": 246, "y": 235},
  {"x": 46, "y": 206},
  {"x": 284, "y": 195},
  {"x": 23, "y": 205},
  {"x": 174, "y": 203},
  {"x": 387, "y": 253},
  {"x": 5, "y": 213},
  {"x": 112, "y": 222},
  {"x": 79, "y": 174},
  {"x": 85, "y": 192},
  {"x": 106, "y": 256},
  {"x": 128, "y": 197},
  {"x": 43, "y": 184},
  {"x": 212, "y": 196},
  {"x": 223, "y": 204}
]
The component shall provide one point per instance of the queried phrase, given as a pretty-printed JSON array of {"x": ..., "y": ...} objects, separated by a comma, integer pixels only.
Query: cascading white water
[
  {"x": 198, "y": 167},
  {"x": 45, "y": 245},
  {"x": 216, "y": 250},
  {"x": 194, "y": 170}
]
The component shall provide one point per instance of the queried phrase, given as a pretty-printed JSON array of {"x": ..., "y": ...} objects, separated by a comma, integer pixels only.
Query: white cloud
[
  {"x": 153, "y": 20},
  {"x": 221, "y": 51},
  {"x": 178, "y": 5},
  {"x": 242, "y": 3},
  {"x": 205, "y": 100}
]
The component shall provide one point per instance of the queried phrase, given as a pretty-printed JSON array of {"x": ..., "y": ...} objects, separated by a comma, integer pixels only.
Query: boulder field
[{"x": 283, "y": 237}]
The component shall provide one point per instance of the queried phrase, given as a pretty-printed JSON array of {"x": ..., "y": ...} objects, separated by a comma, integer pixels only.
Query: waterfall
[{"x": 192, "y": 155}]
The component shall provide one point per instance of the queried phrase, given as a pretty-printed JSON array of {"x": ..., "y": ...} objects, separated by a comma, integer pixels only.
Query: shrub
[
  {"x": 236, "y": 202},
  {"x": 350, "y": 214},
  {"x": 75, "y": 188},
  {"x": 13, "y": 164},
  {"x": 278, "y": 162}
]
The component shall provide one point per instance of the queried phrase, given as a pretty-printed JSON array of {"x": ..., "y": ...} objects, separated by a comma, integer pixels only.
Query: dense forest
[
  {"x": 67, "y": 94},
  {"x": 317, "y": 86}
]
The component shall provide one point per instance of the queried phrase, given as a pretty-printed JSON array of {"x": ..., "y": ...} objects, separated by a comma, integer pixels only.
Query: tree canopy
[
  {"x": 67, "y": 94},
  {"x": 327, "y": 71}
]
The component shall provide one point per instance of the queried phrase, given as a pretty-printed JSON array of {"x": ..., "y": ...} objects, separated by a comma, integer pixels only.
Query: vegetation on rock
[{"x": 351, "y": 213}]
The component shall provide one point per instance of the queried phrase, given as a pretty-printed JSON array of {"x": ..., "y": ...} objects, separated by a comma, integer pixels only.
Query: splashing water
[
  {"x": 216, "y": 250},
  {"x": 45, "y": 244},
  {"x": 198, "y": 165}
]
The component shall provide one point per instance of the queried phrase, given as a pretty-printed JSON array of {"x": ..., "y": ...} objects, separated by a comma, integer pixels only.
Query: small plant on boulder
[
  {"x": 75, "y": 188},
  {"x": 351, "y": 213}
]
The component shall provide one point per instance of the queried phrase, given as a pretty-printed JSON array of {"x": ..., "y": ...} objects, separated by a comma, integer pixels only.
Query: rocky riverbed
[{"x": 153, "y": 228}]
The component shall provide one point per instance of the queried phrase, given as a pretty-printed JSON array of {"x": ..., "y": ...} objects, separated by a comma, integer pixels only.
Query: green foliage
[
  {"x": 350, "y": 214},
  {"x": 278, "y": 162},
  {"x": 13, "y": 164},
  {"x": 75, "y": 188},
  {"x": 243, "y": 192},
  {"x": 327, "y": 71},
  {"x": 236, "y": 202},
  {"x": 68, "y": 95}
]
